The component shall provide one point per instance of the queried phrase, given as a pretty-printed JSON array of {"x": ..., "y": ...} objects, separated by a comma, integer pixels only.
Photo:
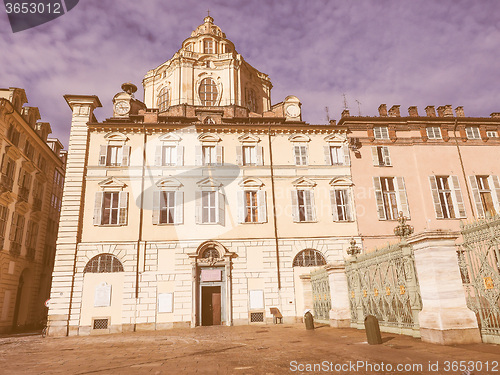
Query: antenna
[
  {"x": 327, "y": 115},
  {"x": 359, "y": 107},
  {"x": 345, "y": 102}
]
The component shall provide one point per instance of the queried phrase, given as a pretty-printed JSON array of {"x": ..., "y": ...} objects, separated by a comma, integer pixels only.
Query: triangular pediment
[
  {"x": 112, "y": 183},
  {"x": 341, "y": 181},
  {"x": 337, "y": 138},
  {"x": 304, "y": 182},
  {"x": 248, "y": 138},
  {"x": 169, "y": 182},
  {"x": 251, "y": 182},
  {"x": 209, "y": 137},
  {"x": 299, "y": 138},
  {"x": 209, "y": 182},
  {"x": 170, "y": 137}
]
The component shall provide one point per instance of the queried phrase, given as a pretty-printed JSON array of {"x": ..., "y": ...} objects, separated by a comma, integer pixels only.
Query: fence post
[
  {"x": 340, "y": 312},
  {"x": 445, "y": 318}
]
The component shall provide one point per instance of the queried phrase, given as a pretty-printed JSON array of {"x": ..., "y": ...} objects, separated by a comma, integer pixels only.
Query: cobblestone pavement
[{"x": 265, "y": 349}]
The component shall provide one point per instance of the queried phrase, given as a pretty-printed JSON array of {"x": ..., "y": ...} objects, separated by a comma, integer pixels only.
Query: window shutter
[
  {"x": 260, "y": 152},
  {"x": 306, "y": 150},
  {"x": 387, "y": 156},
  {"x": 158, "y": 155},
  {"x": 347, "y": 156},
  {"x": 21, "y": 229},
  {"x": 295, "y": 206},
  {"x": 20, "y": 177},
  {"x": 333, "y": 202},
  {"x": 348, "y": 205},
  {"x": 198, "y": 155},
  {"x": 198, "y": 207},
  {"x": 156, "y": 206},
  {"x": 219, "y": 150},
  {"x": 239, "y": 155},
  {"x": 310, "y": 209},
  {"x": 179, "y": 207},
  {"x": 123, "y": 214},
  {"x": 375, "y": 156},
  {"x": 495, "y": 192},
  {"x": 262, "y": 207},
  {"x": 13, "y": 226},
  {"x": 296, "y": 150},
  {"x": 102, "y": 154},
  {"x": 98, "y": 207},
  {"x": 27, "y": 241},
  {"x": 477, "y": 197},
  {"x": 435, "y": 197},
  {"x": 5, "y": 162},
  {"x": 328, "y": 158},
  {"x": 222, "y": 203},
  {"x": 180, "y": 155},
  {"x": 457, "y": 195},
  {"x": 402, "y": 198},
  {"x": 379, "y": 198},
  {"x": 125, "y": 156},
  {"x": 241, "y": 206}
]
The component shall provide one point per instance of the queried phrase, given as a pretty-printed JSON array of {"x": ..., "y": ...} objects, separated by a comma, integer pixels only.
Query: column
[{"x": 340, "y": 312}]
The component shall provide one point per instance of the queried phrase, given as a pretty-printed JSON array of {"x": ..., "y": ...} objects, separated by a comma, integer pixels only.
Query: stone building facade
[
  {"x": 203, "y": 205},
  {"x": 32, "y": 177}
]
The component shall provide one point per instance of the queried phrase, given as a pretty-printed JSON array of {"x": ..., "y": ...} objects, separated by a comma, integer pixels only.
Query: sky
[{"x": 404, "y": 52}]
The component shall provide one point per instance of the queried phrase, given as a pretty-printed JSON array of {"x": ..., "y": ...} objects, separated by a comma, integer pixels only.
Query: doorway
[{"x": 210, "y": 305}]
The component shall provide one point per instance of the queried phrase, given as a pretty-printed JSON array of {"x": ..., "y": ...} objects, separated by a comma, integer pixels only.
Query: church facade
[{"x": 203, "y": 205}]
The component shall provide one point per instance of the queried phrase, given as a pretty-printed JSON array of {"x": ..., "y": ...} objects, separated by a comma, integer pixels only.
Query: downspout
[
  {"x": 274, "y": 211},
  {"x": 463, "y": 169}
]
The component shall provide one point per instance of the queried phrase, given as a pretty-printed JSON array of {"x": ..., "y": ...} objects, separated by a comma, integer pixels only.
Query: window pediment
[
  {"x": 208, "y": 137},
  {"x": 299, "y": 138},
  {"x": 248, "y": 138},
  {"x": 304, "y": 182},
  {"x": 341, "y": 181},
  {"x": 251, "y": 183},
  {"x": 169, "y": 182},
  {"x": 116, "y": 137},
  {"x": 169, "y": 137},
  {"x": 112, "y": 184},
  {"x": 335, "y": 138},
  {"x": 209, "y": 183}
]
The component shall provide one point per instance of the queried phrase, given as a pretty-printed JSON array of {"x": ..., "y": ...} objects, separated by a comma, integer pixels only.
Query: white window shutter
[
  {"x": 379, "y": 198},
  {"x": 222, "y": 205},
  {"x": 241, "y": 206},
  {"x": 98, "y": 207},
  {"x": 458, "y": 199},
  {"x": 401, "y": 197},
  {"x": 158, "y": 155},
  {"x": 102, "y": 154},
  {"x": 219, "y": 151},
  {"x": 262, "y": 207},
  {"x": 123, "y": 213},
  {"x": 180, "y": 155},
  {"x": 347, "y": 156},
  {"x": 296, "y": 150},
  {"x": 198, "y": 155},
  {"x": 386, "y": 155},
  {"x": 179, "y": 207},
  {"x": 306, "y": 148},
  {"x": 348, "y": 205},
  {"x": 156, "y": 206},
  {"x": 260, "y": 152},
  {"x": 310, "y": 208},
  {"x": 239, "y": 155},
  {"x": 435, "y": 197},
  {"x": 125, "y": 155},
  {"x": 333, "y": 203},
  {"x": 198, "y": 207},
  {"x": 477, "y": 197},
  {"x": 295, "y": 206},
  {"x": 328, "y": 158},
  {"x": 495, "y": 192},
  {"x": 375, "y": 156}
]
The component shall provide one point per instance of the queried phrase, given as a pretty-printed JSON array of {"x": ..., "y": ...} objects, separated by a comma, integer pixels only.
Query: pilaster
[{"x": 340, "y": 312}]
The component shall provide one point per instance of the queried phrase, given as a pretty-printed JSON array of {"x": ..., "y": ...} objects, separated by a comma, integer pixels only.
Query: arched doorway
[{"x": 212, "y": 285}]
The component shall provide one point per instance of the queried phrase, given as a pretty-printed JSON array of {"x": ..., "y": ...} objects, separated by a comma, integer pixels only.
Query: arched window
[
  {"x": 251, "y": 100},
  {"x": 163, "y": 100},
  {"x": 210, "y": 253},
  {"x": 309, "y": 258},
  {"x": 104, "y": 263},
  {"x": 208, "y": 91}
]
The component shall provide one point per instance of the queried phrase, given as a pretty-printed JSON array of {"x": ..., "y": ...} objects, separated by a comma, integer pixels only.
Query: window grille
[
  {"x": 101, "y": 323},
  {"x": 208, "y": 92},
  {"x": 163, "y": 100},
  {"x": 256, "y": 317},
  {"x": 210, "y": 253},
  {"x": 309, "y": 258},
  {"x": 104, "y": 263}
]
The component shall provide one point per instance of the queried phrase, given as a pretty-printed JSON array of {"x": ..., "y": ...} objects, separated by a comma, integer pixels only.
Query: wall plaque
[
  {"x": 102, "y": 296},
  {"x": 165, "y": 302},
  {"x": 211, "y": 275}
]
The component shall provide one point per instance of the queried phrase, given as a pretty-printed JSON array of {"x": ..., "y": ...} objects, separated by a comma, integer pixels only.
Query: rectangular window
[
  {"x": 110, "y": 208},
  {"x": 169, "y": 155},
  {"x": 249, "y": 155},
  {"x": 208, "y": 46},
  {"x": 485, "y": 195},
  {"x": 167, "y": 207},
  {"x": 444, "y": 194},
  {"x": 114, "y": 156},
  {"x": 336, "y": 155},
  {"x": 209, "y": 207},
  {"x": 340, "y": 205},
  {"x": 381, "y": 156},
  {"x": 433, "y": 132},
  {"x": 381, "y": 132},
  {"x": 447, "y": 197},
  {"x": 209, "y": 155},
  {"x": 300, "y": 153},
  {"x": 4, "y": 211},
  {"x": 8, "y": 172},
  {"x": 389, "y": 198},
  {"x": 390, "y": 194},
  {"x": 16, "y": 233},
  {"x": 251, "y": 207},
  {"x": 492, "y": 134},
  {"x": 472, "y": 132},
  {"x": 303, "y": 205}
]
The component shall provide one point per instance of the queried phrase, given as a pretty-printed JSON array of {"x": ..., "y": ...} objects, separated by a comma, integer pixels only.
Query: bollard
[
  {"x": 372, "y": 330},
  {"x": 309, "y": 320}
]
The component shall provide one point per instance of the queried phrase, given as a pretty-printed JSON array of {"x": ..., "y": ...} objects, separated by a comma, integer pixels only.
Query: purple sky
[{"x": 380, "y": 51}]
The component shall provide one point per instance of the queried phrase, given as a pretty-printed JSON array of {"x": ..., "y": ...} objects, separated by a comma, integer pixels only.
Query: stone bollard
[
  {"x": 309, "y": 320},
  {"x": 372, "y": 330}
]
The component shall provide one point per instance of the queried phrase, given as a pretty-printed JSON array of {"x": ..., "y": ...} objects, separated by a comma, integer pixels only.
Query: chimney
[
  {"x": 440, "y": 111},
  {"x": 430, "y": 111},
  {"x": 413, "y": 111},
  {"x": 382, "y": 110},
  {"x": 394, "y": 111},
  {"x": 495, "y": 115},
  {"x": 448, "y": 111},
  {"x": 460, "y": 111},
  {"x": 345, "y": 113}
]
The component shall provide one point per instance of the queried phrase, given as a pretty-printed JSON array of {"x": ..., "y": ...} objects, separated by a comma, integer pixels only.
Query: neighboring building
[
  {"x": 437, "y": 169},
  {"x": 32, "y": 175},
  {"x": 202, "y": 206}
]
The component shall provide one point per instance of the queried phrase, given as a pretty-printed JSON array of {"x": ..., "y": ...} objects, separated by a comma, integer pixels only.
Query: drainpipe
[
  {"x": 274, "y": 211},
  {"x": 463, "y": 169}
]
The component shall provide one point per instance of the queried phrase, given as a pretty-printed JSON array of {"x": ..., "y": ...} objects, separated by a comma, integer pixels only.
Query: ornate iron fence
[
  {"x": 321, "y": 295},
  {"x": 384, "y": 283},
  {"x": 479, "y": 261}
]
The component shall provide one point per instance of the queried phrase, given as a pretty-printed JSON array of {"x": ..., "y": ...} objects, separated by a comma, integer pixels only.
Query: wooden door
[{"x": 216, "y": 308}]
